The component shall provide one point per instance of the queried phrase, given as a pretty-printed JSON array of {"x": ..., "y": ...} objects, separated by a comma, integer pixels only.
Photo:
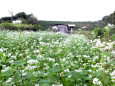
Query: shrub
[
  {"x": 37, "y": 27},
  {"x": 106, "y": 31},
  {"x": 7, "y": 26},
  {"x": 10, "y": 26},
  {"x": 98, "y": 32}
]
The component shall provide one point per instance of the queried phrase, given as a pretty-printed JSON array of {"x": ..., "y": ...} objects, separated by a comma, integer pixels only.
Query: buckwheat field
[{"x": 54, "y": 59}]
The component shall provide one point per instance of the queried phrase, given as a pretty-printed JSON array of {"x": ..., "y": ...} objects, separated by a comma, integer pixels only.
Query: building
[{"x": 62, "y": 28}]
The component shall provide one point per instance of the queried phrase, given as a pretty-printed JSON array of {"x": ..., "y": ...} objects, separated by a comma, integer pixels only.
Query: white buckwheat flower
[
  {"x": 1, "y": 50},
  {"x": 97, "y": 82},
  {"x": 31, "y": 61},
  {"x": 6, "y": 69},
  {"x": 37, "y": 85},
  {"x": 9, "y": 80},
  {"x": 57, "y": 85},
  {"x": 29, "y": 67},
  {"x": 113, "y": 76}
]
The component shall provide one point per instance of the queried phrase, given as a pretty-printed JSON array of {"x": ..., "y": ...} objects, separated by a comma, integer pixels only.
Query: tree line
[
  {"x": 26, "y": 18},
  {"x": 109, "y": 18}
]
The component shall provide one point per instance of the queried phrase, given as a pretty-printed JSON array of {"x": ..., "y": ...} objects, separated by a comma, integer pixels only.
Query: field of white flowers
[{"x": 54, "y": 59}]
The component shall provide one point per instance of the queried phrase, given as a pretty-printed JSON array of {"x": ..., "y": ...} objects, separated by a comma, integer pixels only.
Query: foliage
[
  {"x": 10, "y": 26},
  {"x": 112, "y": 18},
  {"x": 109, "y": 19},
  {"x": 32, "y": 58},
  {"x": 26, "y": 18},
  {"x": 99, "y": 32},
  {"x": 31, "y": 19},
  {"x": 107, "y": 31},
  {"x": 105, "y": 19},
  {"x": 21, "y": 15},
  {"x": 3, "y": 19}
]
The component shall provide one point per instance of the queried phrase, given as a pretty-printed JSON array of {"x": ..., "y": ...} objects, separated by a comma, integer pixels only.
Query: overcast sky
[{"x": 65, "y": 10}]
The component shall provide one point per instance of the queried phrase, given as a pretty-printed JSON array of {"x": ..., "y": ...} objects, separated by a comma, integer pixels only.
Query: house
[
  {"x": 62, "y": 28},
  {"x": 17, "y": 22}
]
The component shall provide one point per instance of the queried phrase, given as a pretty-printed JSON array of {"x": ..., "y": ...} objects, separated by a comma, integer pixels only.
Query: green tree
[
  {"x": 112, "y": 18},
  {"x": 109, "y": 19},
  {"x": 21, "y": 15},
  {"x": 31, "y": 19},
  {"x": 3, "y": 19}
]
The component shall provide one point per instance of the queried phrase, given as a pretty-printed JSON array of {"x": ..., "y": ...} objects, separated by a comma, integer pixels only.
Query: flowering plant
[{"x": 44, "y": 58}]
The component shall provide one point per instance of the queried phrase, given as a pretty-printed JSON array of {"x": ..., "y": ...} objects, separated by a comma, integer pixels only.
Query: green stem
[
  {"x": 103, "y": 72},
  {"x": 22, "y": 79},
  {"x": 0, "y": 78}
]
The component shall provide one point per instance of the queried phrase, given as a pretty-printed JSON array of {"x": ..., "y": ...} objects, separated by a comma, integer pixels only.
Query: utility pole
[{"x": 11, "y": 13}]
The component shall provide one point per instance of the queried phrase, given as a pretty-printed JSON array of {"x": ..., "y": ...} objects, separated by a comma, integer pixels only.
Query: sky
[{"x": 59, "y": 10}]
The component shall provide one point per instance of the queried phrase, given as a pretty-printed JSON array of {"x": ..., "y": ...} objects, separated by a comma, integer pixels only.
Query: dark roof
[{"x": 58, "y": 24}]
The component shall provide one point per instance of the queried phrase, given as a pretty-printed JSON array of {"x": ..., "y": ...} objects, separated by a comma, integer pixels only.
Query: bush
[
  {"x": 106, "y": 31},
  {"x": 10, "y": 26},
  {"x": 99, "y": 32},
  {"x": 7, "y": 26}
]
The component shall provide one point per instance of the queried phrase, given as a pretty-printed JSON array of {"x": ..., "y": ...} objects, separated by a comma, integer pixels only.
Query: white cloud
[{"x": 71, "y": 10}]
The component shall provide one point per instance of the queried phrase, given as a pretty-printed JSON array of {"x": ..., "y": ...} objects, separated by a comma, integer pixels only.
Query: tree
[
  {"x": 105, "y": 19},
  {"x": 31, "y": 19},
  {"x": 21, "y": 15},
  {"x": 112, "y": 18},
  {"x": 109, "y": 19},
  {"x": 26, "y": 18},
  {"x": 3, "y": 19}
]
